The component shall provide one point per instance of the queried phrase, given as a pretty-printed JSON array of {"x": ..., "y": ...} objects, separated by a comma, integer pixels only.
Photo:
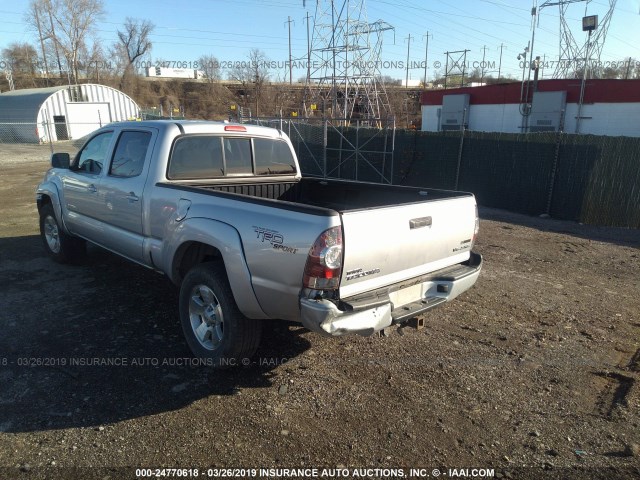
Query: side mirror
[{"x": 60, "y": 160}]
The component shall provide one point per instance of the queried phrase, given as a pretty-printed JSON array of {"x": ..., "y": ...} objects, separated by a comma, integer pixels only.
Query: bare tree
[
  {"x": 634, "y": 72},
  {"x": 21, "y": 58},
  {"x": 70, "y": 24},
  {"x": 96, "y": 65},
  {"x": 133, "y": 44},
  {"x": 210, "y": 67},
  {"x": 254, "y": 72}
]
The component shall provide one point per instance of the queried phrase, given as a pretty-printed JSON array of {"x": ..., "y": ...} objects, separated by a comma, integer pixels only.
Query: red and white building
[{"x": 610, "y": 107}]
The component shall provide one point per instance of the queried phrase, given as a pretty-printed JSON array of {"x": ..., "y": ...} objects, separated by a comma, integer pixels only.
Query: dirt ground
[{"x": 533, "y": 373}]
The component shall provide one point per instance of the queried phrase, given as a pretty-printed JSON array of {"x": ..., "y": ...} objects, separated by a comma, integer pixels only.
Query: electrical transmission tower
[
  {"x": 573, "y": 56},
  {"x": 344, "y": 75}
]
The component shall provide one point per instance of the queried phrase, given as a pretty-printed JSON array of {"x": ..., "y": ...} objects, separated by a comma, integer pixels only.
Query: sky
[{"x": 229, "y": 29}]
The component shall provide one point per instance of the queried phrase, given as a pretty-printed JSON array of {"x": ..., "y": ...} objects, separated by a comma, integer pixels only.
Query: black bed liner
[{"x": 336, "y": 195}]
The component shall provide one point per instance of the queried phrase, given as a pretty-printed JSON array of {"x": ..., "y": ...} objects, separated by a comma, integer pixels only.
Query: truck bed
[
  {"x": 339, "y": 195},
  {"x": 391, "y": 233}
]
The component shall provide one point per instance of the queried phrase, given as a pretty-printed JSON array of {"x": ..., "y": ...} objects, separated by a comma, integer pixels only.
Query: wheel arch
[
  {"x": 47, "y": 193},
  {"x": 190, "y": 254},
  {"x": 200, "y": 240}
]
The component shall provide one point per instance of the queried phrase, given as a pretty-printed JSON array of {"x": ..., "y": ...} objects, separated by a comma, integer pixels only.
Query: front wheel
[
  {"x": 213, "y": 326},
  {"x": 63, "y": 248}
]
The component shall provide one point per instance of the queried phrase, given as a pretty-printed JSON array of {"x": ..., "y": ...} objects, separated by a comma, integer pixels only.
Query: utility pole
[
  {"x": 408, "y": 48},
  {"x": 426, "y": 58},
  {"x": 500, "y": 63},
  {"x": 53, "y": 37},
  {"x": 585, "y": 70},
  {"x": 44, "y": 55},
  {"x": 484, "y": 52},
  {"x": 589, "y": 23},
  {"x": 290, "y": 59},
  {"x": 308, "y": 49}
]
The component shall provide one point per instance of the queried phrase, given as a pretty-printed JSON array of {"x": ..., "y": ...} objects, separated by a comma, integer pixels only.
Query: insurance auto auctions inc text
[{"x": 380, "y": 473}]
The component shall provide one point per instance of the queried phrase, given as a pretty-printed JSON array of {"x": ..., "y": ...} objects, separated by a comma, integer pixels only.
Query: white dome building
[{"x": 38, "y": 115}]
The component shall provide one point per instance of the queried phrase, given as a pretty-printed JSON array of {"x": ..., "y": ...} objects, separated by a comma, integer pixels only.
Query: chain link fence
[
  {"x": 46, "y": 132},
  {"x": 585, "y": 178},
  {"x": 337, "y": 148},
  {"x": 19, "y": 132},
  {"x": 25, "y": 142}
]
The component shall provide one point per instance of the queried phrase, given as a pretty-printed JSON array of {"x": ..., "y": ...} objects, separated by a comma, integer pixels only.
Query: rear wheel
[
  {"x": 213, "y": 326},
  {"x": 63, "y": 248}
]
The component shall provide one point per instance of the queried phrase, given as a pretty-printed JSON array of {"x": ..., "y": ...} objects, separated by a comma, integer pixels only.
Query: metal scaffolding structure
[
  {"x": 455, "y": 66},
  {"x": 572, "y": 56},
  {"x": 343, "y": 78}
]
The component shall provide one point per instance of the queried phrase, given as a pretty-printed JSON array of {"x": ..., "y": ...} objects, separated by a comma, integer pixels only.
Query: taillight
[
  {"x": 476, "y": 228},
  {"x": 324, "y": 263}
]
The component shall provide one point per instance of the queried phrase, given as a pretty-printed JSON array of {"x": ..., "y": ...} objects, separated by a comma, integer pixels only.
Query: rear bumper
[{"x": 366, "y": 314}]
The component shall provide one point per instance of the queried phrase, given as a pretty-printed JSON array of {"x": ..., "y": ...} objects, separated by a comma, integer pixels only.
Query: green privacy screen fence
[{"x": 586, "y": 178}]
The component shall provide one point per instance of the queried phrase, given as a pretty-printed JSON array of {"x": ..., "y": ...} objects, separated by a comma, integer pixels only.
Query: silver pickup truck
[{"x": 223, "y": 211}]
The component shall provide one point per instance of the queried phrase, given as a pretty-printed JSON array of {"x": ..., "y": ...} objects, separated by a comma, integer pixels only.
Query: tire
[
  {"x": 213, "y": 326},
  {"x": 63, "y": 248}
]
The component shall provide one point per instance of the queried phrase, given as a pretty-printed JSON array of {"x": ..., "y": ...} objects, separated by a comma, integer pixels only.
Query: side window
[
  {"x": 273, "y": 157},
  {"x": 237, "y": 156},
  {"x": 91, "y": 158},
  {"x": 196, "y": 156},
  {"x": 130, "y": 153}
]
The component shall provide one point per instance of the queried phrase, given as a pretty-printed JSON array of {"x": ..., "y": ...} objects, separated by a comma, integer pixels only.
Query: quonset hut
[{"x": 38, "y": 115}]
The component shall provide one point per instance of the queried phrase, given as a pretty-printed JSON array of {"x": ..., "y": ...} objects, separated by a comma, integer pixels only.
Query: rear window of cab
[{"x": 195, "y": 157}]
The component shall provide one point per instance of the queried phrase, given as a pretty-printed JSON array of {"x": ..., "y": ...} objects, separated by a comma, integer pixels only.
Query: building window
[{"x": 76, "y": 95}]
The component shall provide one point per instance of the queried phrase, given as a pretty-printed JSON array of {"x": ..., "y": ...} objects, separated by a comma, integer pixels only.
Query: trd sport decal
[{"x": 275, "y": 238}]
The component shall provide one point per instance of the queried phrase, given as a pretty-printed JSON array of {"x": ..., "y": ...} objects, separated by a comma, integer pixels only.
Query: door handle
[
  {"x": 92, "y": 188},
  {"x": 420, "y": 222},
  {"x": 132, "y": 197}
]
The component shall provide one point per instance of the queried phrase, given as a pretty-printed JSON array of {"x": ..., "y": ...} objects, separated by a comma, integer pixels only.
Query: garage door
[{"x": 85, "y": 117}]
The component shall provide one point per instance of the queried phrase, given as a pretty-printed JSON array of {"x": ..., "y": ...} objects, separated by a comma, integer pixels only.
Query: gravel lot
[{"x": 533, "y": 373}]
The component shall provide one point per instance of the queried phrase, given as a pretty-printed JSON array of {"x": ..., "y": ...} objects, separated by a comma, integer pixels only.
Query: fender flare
[
  {"x": 50, "y": 189},
  {"x": 227, "y": 241}
]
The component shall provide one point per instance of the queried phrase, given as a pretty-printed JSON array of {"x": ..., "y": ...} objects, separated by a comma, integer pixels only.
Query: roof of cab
[{"x": 202, "y": 126}]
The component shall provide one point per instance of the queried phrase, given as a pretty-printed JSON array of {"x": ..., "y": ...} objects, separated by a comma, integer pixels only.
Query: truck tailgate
[{"x": 386, "y": 245}]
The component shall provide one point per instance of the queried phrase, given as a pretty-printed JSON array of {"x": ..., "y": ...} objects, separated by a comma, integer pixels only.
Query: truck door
[
  {"x": 121, "y": 193},
  {"x": 80, "y": 186}
]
